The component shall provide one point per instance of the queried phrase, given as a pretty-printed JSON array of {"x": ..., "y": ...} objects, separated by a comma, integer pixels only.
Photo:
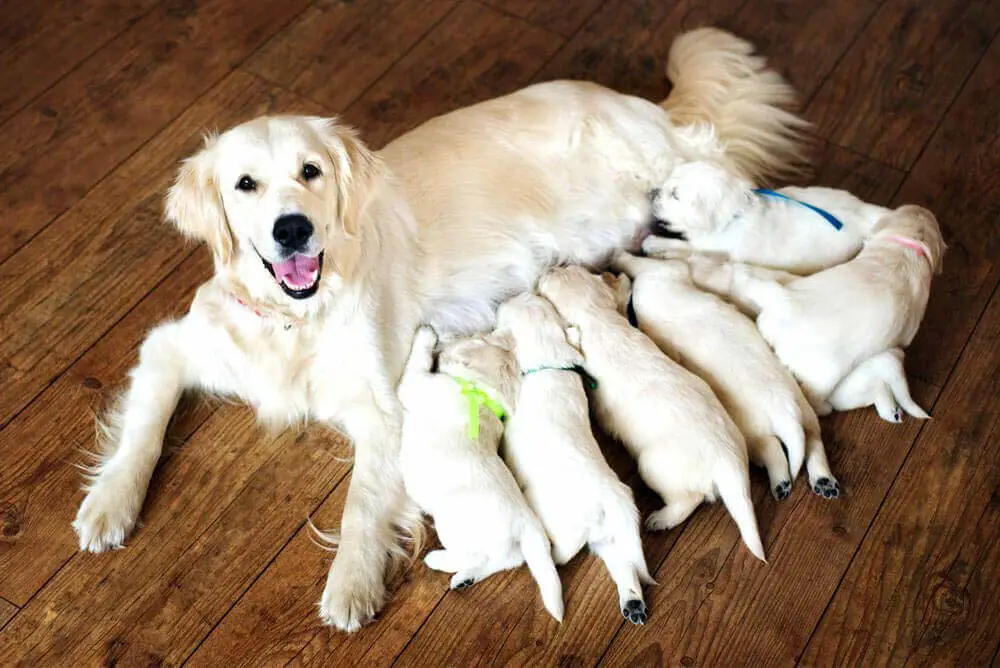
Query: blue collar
[{"x": 829, "y": 217}]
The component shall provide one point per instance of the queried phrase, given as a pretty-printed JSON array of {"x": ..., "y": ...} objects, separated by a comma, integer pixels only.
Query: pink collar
[
  {"x": 255, "y": 311},
  {"x": 909, "y": 243}
]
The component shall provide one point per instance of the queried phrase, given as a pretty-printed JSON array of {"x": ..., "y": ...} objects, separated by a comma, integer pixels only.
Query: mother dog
[{"x": 327, "y": 256}]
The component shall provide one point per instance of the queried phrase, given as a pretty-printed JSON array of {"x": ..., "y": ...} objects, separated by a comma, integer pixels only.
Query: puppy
[
  {"x": 451, "y": 468},
  {"x": 824, "y": 326},
  {"x": 549, "y": 446},
  {"x": 795, "y": 229},
  {"x": 713, "y": 340},
  {"x": 687, "y": 447},
  {"x": 879, "y": 381}
]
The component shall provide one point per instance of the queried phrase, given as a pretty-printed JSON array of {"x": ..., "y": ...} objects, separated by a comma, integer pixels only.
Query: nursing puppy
[
  {"x": 549, "y": 446},
  {"x": 454, "y": 473},
  {"x": 717, "y": 210},
  {"x": 687, "y": 447},
  {"x": 720, "y": 345},
  {"x": 879, "y": 381},
  {"x": 822, "y": 327}
]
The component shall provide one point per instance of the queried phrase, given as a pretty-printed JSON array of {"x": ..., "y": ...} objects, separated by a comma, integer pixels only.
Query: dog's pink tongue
[{"x": 298, "y": 270}]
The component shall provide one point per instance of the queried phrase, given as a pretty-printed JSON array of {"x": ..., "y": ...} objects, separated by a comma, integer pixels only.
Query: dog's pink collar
[
  {"x": 255, "y": 311},
  {"x": 911, "y": 244}
]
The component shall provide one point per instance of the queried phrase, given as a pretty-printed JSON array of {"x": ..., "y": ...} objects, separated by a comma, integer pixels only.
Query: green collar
[
  {"x": 477, "y": 396},
  {"x": 587, "y": 378}
]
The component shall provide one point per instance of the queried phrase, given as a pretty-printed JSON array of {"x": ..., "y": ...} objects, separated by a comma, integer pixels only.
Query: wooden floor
[{"x": 99, "y": 99}]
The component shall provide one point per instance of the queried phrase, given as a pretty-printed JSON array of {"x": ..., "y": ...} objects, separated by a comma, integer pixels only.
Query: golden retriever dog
[{"x": 328, "y": 256}]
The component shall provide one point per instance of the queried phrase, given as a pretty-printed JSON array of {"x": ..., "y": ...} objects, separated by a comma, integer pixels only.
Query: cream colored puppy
[
  {"x": 549, "y": 446},
  {"x": 687, "y": 447},
  {"x": 824, "y": 326},
  {"x": 802, "y": 230},
  {"x": 713, "y": 340},
  {"x": 451, "y": 467},
  {"x": 879, "y": 381}
]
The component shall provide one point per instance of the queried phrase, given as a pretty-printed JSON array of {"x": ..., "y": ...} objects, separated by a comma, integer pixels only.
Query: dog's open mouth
[{"x": 299, "y": 275}]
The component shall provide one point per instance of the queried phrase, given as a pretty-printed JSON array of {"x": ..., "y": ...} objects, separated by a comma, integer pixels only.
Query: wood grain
[
  {"x": 497, "y": 54},
  {"x": 7, "y": 612},
  {"x": 41, "y": 42},
  {"x": 892, "y": 88},
  {"x": 915, "y": 589},
  {"x": 561, "y": 18},
  {"x": 63, "y": 143},
  {"x": 336, "y": 50}
]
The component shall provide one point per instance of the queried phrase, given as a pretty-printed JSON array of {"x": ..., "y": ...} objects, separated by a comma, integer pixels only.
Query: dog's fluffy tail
[
  {"x": 901, "y": 392},
  {"x": 537, "y": 553},
  {"x": 717, "y": 79},
  {"x": 733, "y": 485}
]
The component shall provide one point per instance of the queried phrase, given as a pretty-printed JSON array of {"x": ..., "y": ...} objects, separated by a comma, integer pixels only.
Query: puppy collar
[
  {"x": 911, "y": 244},
  {"x": 827, "y": 216},
  {"x": 257, "y": 312},
  {"x": 476, "y": 397},
  {"x": 586, "y": 377}
]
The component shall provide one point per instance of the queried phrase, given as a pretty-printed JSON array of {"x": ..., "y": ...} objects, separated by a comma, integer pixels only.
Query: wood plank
[
  {"x": 63, "y": 143},
  {"x": 497, "y": 54},
  {"x": 217, "y": 512},
  {"x": 717, "y": 606},
  {"x": 561, "y": 18},
  {"x": 42, "y": 41},
  {"x": 802, "y": 40},
  {"x": 892, "y": 88},
  {"x": 7, "y": 612},
  {"x": 958, "y": 177},
  {"x": 67, "y": 287},
  {"x": 923, "y": 586},
  {"x": 624, "y": 44},
  {"x": 336, "y": 50},
  {"x": 40, "y": 487}
]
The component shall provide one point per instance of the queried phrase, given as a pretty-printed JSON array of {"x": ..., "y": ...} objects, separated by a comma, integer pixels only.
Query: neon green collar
[
  {"x": 587, "y": 378},
  {"x": 476, "y": 397}
]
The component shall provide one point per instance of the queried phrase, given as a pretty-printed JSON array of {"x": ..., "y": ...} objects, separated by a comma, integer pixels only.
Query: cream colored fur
[{"x": 879, "y": 381}]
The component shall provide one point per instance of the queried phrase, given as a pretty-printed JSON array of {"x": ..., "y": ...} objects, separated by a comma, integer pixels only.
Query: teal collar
[
  {"x": 476, "y": 397},
  {"x": 587, "y": 378}
]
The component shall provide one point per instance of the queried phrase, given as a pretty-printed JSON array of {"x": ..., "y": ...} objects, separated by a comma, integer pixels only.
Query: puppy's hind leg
[
  {"x": 625, "y": 573},
  {"x": 679, "y": 507},
  {"x": 821, "y": 480},
  {"x": 449, "y": 561},
  {"x": 766, "y": 451},
  {"x": 886, "y": 406},
  {"x": 469, "y": 575}
]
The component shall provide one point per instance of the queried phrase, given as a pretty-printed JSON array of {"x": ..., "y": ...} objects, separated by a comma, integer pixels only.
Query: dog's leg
[
  {"x": 767, "y": 452},
  {"x": 886, "y": 406},
  {"x": 447, "y": 561},
  {"x": 665, "y": 248},
  {"x": 679, "y": 507},
  {"x": 626, "y": 579},
  {"x": 135, "y": 440},
  {"x": 821, "y": 480},
  {"x": 470, "y": 576}
]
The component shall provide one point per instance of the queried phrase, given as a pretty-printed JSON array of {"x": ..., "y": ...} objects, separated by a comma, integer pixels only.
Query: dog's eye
[
  {"x": 246, "y": 184},
  {"x": 310, "y": 171}
]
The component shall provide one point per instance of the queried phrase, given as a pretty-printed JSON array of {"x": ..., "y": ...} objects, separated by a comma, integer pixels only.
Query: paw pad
[
  {"x": 465, "y": 584},
  {"x": 828, "y": 488},
  {"x": 783, "y": 490},
  {"x": 635, "y": 611}
]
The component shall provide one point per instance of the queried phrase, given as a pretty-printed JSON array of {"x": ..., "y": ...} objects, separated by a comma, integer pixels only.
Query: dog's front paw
[
  {"x": 462, "y": 580},
  {"x": 635, "y": 611},
  {"x": 782, "y": 490},
  {"x": 828, "y": 488},
  {"x": 106, "y": 517},
  {"x": 352, "y": 596}
]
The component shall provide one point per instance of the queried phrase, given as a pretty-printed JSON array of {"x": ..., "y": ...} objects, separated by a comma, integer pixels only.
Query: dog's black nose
[{"x": 292, "y": 231}]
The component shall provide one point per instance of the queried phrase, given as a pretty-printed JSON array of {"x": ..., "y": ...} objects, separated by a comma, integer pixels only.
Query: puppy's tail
[
  {"x": 733, "y": 485},
  {"x": 537, "y": 553},
  {"x": 718, "y": 80},
  {"x": 901, "y": 392}
]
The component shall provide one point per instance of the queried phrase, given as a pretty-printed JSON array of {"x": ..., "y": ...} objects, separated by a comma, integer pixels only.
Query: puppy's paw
[
  {"x": 107, "y": 516},
  {"x": 828, "y": 488},
  {"x": 661, "y": 520},
  {"x": 635, "y": 611},
  {"x": 782, "y": 490},
  {"x": 352, "y": 596},
  {"x": 462, "y": 580}
]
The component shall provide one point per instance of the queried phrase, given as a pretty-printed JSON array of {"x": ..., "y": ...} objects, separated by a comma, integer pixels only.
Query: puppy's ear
[
  {"x": 194, "y": 205},
  {"x": 358, "y": 169}
]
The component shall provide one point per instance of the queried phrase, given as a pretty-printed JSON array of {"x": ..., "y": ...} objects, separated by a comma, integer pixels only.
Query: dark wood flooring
[{"x": 99, "y": 100}]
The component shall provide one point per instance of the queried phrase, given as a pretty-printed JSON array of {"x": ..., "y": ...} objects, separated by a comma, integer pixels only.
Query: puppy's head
[
  {"x": 487, "y": 361},
  {"x": 918, "y": 225},
  {"x": 574, "y": 291},
  {"x": 700, "y": 198},
  {"x": 279, "y": 201},
  {"x": 538, "y": 331}
]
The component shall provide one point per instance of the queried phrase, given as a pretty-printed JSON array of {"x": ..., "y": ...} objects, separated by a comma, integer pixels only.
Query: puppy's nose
[{"x": 292, "y": 231}]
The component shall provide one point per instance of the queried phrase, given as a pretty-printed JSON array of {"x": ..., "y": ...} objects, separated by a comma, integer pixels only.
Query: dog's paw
[
  {"x": 351, "y": 597},
  {"x": 460, "y": 581},
  {"x": 782, "y": 490},
  {"x": 660, "y": 520},
  {"x": 106, "y": 517},
  {"x": 635, "y": 611},
  {"x": 828, "y": 488}
]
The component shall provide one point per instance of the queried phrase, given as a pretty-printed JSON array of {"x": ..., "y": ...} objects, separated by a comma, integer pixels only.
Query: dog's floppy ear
[
  {"x": 194, "y": 205},
  {"x": 357, "y": 167}
]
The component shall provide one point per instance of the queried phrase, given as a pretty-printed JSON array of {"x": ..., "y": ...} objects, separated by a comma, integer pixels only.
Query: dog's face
[
  {"x": 277, "y": 199},
  {"x": 919, "y": 225},
  {"x": 538, "y": 331},
  {"x": 700, "y": 198},
  {"x": 574, "y": 290}
]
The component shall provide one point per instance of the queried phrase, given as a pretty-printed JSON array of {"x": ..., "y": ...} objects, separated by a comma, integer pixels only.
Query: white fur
[
  {"x": 687, "y": 447},
  {"x": 445, "y": 223},
  {"x": 720, "y": 345},
  {"x": 549, "y": 446},
  {"x": 717, "y": 211},
  {"x": 823, "y": 326},
  {"x": 481, "y": 517},
  {"x": 879, "y": 381}
]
